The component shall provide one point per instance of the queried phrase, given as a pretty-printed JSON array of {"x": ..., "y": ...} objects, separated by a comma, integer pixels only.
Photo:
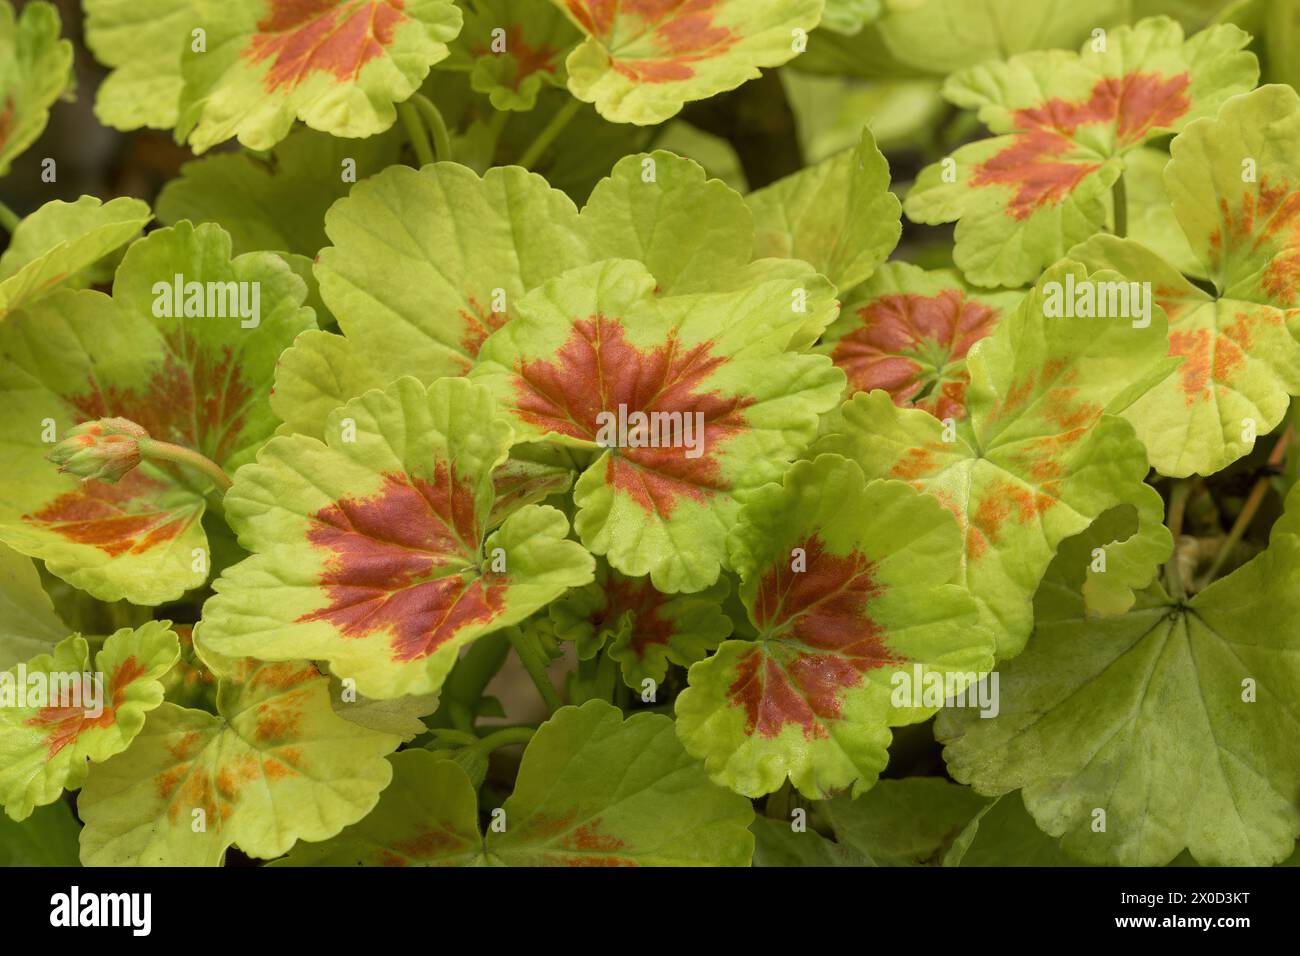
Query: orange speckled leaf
[
  {"x": 1041, "y": 453},
  {"x": 273, "y": 766},
  {"x": 200, "y": 380},
  {"x": 57, "y": 713}
]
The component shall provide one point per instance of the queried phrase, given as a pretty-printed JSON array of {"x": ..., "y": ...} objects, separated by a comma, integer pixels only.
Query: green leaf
[
  {"x": 56, "y": 245},
  {"x": 1240, "y": 363},
  {"x": 908, "y": 822},
  {"x": 838, "y": 215},
  {"x": 399, "y": 716},
  {"x": 511, "y": 49},
  {"x": 849, "y": 16},
  {"x": 428, "y": 816},
  {"x": 1041, "y": 453},
  {"x": 35, "y": 68},
  {"x": 277, "y": 203},
  {"x": 644, "y": 628},
  {"x": 777, "y": 844},
  {"x": 908, "y": 331},
  {"x": 690, "y": 231},
  {"x": 29, "y": 625},
  {"x": 1151, "y": 219},
  {"x": 1004, "y": 834},
  {"x": 142, "y": 41},
  {"x": 641, "y": 63},
  {"x": 273, "y": 766},
  {"x": 1150, "y": 718},
  {"x": 1063, "y": 124},
  {"x": 597, "y": 340},
  {"x": 47, "y": 741},
  {"x": 593, "y": 790},
  {"x": 339, "y": 67},
  {"x": 197, "y": 381},
  {"x": 47, "y": 838},
  {"x": 372, "y": 551},
  {"x": 847, "y": 586}
]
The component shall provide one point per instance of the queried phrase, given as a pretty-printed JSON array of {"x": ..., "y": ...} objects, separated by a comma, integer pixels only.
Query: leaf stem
[
  {"x": 415, "y": 133},
  {"x": 154, "y": 450},
  {"x": 530, "y": 655},
  {"x": 549, "y": 132},
  {"x": 505, "y": 738},
  {"x": 432, "y": 117},
  {"x": 1177, "y": 509},
  {"x": 1119, "y": 194},
  {"x": 1247, "y": 513},
  {"x": 9, "y": 219}
]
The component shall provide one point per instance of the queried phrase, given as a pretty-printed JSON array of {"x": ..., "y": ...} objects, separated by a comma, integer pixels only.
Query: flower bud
[{"x": 105, "y": 449}]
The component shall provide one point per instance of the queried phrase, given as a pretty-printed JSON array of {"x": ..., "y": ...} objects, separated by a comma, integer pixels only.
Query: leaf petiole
[
  {"x": 1119, "y": 195},
  {"x": 549, "y": 132},
  {"x": 154, "y": 450},
  {"x": 432, "y": 117},
  {"x": 533, "y": 658},
  {"x": 415, "y": 132},
  {"x": 9, "y": 219}
]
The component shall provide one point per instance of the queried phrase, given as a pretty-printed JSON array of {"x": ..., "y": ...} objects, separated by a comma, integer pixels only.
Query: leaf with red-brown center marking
[
  {"x": 1241, "y": 362},
  {"x": 199, "y": 380},
  {"x": 908, "y": 331},
  {"x": 274, "y": 765},
  {"x": 644, "y": 628},
  {"x": 373, "y": 550},
  {"x": 1062, "y": 125},
  {"x": 1041, "y": 453},
  {"x": 846, "y": 585},
  {"x": 644, "y": 59},
  {"x": 337, "y": 65},
  {"x": 593, "y": 789},
  {"x": 57, "y": 713},
  {"x": 722, "y": 407},
  {"x": 35, "y": 67},
  {"x": 511, "y": 48}
]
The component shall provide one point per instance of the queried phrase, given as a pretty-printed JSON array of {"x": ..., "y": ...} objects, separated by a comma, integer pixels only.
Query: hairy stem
[
  {"x": 531, "y": 656},
  {"x": 549, "y": 132},
  {"x": 155, "y": 450},
  {"x": 1120, "y": 196},
  {"x": 1247, "y": 514},
  {"x": 1177, "y": 509},
  {"x": 9, "y": 219},
  {"x": 432, "y": 117},
  {"x": 415, "y": 133}
]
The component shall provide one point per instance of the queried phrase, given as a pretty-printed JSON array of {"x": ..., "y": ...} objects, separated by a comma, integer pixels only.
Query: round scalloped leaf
[
  {"x": 644, "y": 628},
  {"x": 1240, "y": 366},
  {"x": 1177, "y": 712},
  {"x": 910, "y": 822},
  {"x": 273, "y": 766},
  {"x": 595, "y": 789},
  {"x": 337, "y": 65},
  {"x": 200, "y": 381},
  {"x": 1062, "y": 124},
  {"x": 690, "y": 231},
  {"x": 277, "y": 203},
  {"x": 35, "y": 68},
  {"x": 1151, "y": 219},
  {"x": 142, "y": 41},
  {"x": 511, "y": 49},
  {"x": 47, "y": 838},
  {"x": 722, "y": 407},
  {"x": 29, "y": 625},
  {"x": 1041, "y": 454},
  {"x": 428, "y": 816},
  {"x": 908, "y": 331},
  {"x": 641, "y": 62},
  {"x": 426, "y": 265},
  {"x": 847, "y": 586},
  {"x": 372, "y": 551},
  {"x": 56, "y": 245},
  {"x": 838, "y": 215},
  {"x": 80, "y": 716}
]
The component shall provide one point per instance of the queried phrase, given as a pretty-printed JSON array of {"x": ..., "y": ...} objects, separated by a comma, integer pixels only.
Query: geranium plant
[{"x": 674, "y": 432}]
